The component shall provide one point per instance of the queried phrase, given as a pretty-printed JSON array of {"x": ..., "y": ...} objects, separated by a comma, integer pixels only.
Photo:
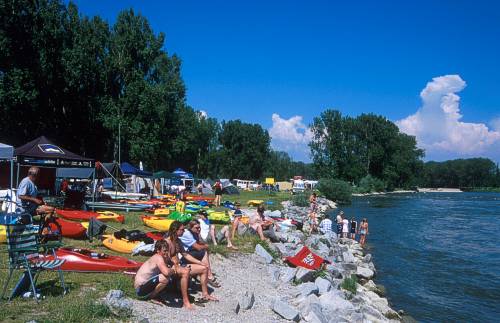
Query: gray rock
[
  {"x": 370, "y": 285},
  {"x": 349, "y": 266},
  {"x": 237, "y": 308},
  {"x": 364, "y": 272},
  {"x": 304, "y": 275},
  {"x": 334, "y": 270},
  {"x": 348, "y": 257},
  {"x": 323, "y": 285},
  {"x": 367, "y": 258},
  {"x": 371, "y": 314},
  {"x": 246, "y": 301},
  {"x": 117, "y": 303},
  {"x": 142, "y": 320},
  {"x": 307, "y": 289},
  {"x": 259, "y": 250},
  {"x": 285, "y": 311},
  {"x": 282, "y": 249},
  {"x": 333, "y": 302},
  {"x": 274, "y": 273},
  {"x": 304, "y": 302},
  {"x": 287, "y": 274},
  {"x": 315, "y": 314}
]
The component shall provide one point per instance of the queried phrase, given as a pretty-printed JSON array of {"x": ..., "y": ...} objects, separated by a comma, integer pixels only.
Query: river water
[{"x": 437, "y": 254}]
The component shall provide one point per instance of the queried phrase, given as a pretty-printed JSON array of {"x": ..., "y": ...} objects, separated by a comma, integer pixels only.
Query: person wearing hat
[{"x": 236, "y": 218}]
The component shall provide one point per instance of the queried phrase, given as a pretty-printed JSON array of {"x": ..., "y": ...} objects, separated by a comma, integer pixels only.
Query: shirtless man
[
  {"x": 175, "y": 231},
  {"x": 157, "y": 272}
]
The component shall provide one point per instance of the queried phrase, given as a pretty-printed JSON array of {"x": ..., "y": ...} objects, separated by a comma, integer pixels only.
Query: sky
[{"x": 432, "y": 67}]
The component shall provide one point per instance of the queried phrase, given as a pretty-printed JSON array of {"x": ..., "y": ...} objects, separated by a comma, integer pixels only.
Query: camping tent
[
  {"x": 228, "y": 187},
  {"x": 77, "y": 173},
  {"x": 43, "y": 152}
]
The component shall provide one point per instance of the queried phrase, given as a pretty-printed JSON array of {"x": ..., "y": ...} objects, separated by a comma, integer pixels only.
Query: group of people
[{"x": 350, "y": 228}]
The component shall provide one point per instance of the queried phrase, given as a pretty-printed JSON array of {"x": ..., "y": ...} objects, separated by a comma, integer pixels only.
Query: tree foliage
[{"x": 351, "y": 148}]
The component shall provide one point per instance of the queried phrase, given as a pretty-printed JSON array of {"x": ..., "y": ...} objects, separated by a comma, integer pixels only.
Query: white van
[{"x": 298, "y": 186}]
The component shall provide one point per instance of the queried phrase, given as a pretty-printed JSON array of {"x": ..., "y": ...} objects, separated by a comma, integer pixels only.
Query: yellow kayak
[
  {"x": 255, "y": 202},
  {"x": 110, "y": 216},
  {"x": 219, "y": 217},
  {"x": 162, "y": 211},
  {"x": 245, "y": 219},
  {"x": 119, "y": 245},
  {"x": 160, "y": 224},
  {"x": 3, "y": 234}
]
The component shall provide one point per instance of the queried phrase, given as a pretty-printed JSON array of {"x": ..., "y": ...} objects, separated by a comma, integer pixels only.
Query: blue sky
[{"x": 250, "y": 60}]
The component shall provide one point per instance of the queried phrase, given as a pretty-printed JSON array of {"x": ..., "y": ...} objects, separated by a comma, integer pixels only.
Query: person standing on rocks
[
  {"x": 363, "y": 231},
  {"x": 325, "y": 226},
  {"x": 157, "y": 273},
  {"x": 339, "y": 223},
  {"x": 354, "y": 227},
  {"x": 345, "y": 227}
]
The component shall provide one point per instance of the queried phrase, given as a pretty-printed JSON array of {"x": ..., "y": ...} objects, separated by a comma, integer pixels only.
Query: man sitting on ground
[
  {"x": 198, "y": 250},
  {"x": 237, "y": 219},
  {"x": 175, "y": 231},
  {"x": 157, "y": 273}
]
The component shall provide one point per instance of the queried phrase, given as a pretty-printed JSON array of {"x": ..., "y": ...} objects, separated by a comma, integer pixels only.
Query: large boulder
[
  {"x": 315, "y": 314},
  {"x": 364, "y": 273},
  {"x": 259, "y": 250},
  {"x": 118, "y": 303},
  {"x": 348, "y": 257},
  {"x": 304, "y": 275},
  {"x": 246, "y": 301},
  {"x": 335, "y": 270},
  {"x": 285, "y": 310},
  {"x": 307, "y": 289},
  {"x": 323, "y": 285}
]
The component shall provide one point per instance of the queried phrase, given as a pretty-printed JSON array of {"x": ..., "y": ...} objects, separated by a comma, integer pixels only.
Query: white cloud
[
  {"x": 291, "y": 135},
  {"x": 495, "y": 124},
  {"x": 202, "y": 114},
  {"x": 438, "y": 128}
]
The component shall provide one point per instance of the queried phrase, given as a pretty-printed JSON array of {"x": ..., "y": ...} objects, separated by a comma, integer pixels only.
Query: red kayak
[
  {"x": 200, "y": 198},
  {"x": 85, "y": 260},
  {"x": 74, "y": 230},
  {"x": 80, "y": 215}
]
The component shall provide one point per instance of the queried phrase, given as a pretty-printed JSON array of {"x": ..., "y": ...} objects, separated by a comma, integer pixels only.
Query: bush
[
  {"x": 349, "y": 284},
  {"x": 370, "y": 184},
  {"x": 335, "y": 190},
  {"x": 300, "y": 199}
]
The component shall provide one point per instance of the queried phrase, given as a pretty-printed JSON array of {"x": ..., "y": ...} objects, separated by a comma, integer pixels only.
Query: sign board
[{"x": 269, "y": 180}]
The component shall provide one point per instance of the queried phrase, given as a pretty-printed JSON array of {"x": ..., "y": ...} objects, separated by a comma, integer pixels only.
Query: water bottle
[{"x": 29, "y": 294}]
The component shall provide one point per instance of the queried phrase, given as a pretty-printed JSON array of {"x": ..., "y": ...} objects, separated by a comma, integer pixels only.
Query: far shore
[{"x": 419, "y": 190}]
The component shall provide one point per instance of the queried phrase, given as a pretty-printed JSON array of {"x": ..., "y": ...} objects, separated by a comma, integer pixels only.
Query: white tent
[{"x": 7, "y": 154}]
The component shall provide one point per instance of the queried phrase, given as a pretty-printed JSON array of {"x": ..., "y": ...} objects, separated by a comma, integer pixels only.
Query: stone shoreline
[{"x": 260, "y": 287}]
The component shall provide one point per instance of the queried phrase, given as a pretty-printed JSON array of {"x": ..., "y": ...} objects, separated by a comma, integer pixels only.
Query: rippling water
[{"x": 437, "y": 254}]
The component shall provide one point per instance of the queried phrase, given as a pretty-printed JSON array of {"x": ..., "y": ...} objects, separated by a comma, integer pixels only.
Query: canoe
[
  {"x": 85, "y": 260},
  {"x": 80, "y": 215},
  {"x": 181, "y": 217},
  {"x": 255, "y": 202},
  {"x": 119, "y": 245},
  {"x": 157, "y": 223},
  {"x": 74, "y": 230},
  {"x": 219, "y": 217},
  {"x": 200, "y": 198}
]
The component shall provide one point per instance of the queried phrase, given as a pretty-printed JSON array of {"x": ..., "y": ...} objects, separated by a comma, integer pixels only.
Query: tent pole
[
  {"x": 107, "y": 171},
  {"x": 17, "y": 180},
  {"x": 96, "y": 187},
  {"x": 11, "y": 173}
]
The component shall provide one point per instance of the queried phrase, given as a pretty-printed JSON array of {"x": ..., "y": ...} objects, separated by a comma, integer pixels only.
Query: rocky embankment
[{"x": 260, "y": 287}]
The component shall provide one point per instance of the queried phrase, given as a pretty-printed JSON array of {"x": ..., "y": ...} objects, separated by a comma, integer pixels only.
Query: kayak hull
[
  {"x": 73, "y": 230},
  {"x": 80, "y": 215},
  {"x": 119, "y": 245},
  {"x": 160, "y": 224},
  {"x": 84, "y": 260}
]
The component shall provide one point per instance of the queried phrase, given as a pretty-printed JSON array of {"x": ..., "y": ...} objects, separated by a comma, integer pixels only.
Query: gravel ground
[{"x": 237, "y": 274}]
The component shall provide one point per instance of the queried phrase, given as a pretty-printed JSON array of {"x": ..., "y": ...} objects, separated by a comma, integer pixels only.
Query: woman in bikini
[{"x": 363, "y": 231}]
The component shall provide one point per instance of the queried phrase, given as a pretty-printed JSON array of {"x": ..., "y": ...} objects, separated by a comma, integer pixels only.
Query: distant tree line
[
  {"x": 112, "y": 92},
  {"x": 461, "y": 173}
]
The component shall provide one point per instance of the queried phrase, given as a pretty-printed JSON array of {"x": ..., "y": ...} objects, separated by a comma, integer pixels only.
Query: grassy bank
[{"x": 80, "y": 305}]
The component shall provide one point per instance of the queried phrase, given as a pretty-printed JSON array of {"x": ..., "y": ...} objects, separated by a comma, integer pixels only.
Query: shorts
[
  {"x": 353, "y": 230},
  {"x": 219, "y": 236},
  {"x": 145, "y": 290},
  {"x": 198, "y": 254},
  {"x": 362, "y": 232},
  {"x": 339, "y": 228}
]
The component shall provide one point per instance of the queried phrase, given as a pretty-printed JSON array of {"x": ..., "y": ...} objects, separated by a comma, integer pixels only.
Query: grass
[
  {"x": 82, "y": 303},
  {"x": 349, "y": 284}
]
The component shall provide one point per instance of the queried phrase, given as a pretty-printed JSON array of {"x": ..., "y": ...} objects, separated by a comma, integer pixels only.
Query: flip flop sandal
[
  {"x": 201, "y": 300},
  {"x": 214, "y": 283}
]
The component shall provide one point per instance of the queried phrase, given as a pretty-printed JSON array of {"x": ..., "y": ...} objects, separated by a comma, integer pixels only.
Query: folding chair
[{"x": 23, "y": 249}]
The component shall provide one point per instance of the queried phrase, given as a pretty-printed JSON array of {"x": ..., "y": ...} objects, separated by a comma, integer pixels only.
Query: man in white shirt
[{"x": 325, "y": 225}]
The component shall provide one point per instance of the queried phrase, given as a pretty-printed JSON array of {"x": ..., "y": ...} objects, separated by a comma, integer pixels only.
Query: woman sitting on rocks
[{"x": 263, "y": 226}]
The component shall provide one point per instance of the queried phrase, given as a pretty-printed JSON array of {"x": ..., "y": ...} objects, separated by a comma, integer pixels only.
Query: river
[{"x": 437, "y": 254}]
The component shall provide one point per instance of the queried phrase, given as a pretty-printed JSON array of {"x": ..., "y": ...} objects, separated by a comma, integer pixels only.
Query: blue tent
[
  {"x": 128, "y": 169},
  {"x": 181, "y": 173}
]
